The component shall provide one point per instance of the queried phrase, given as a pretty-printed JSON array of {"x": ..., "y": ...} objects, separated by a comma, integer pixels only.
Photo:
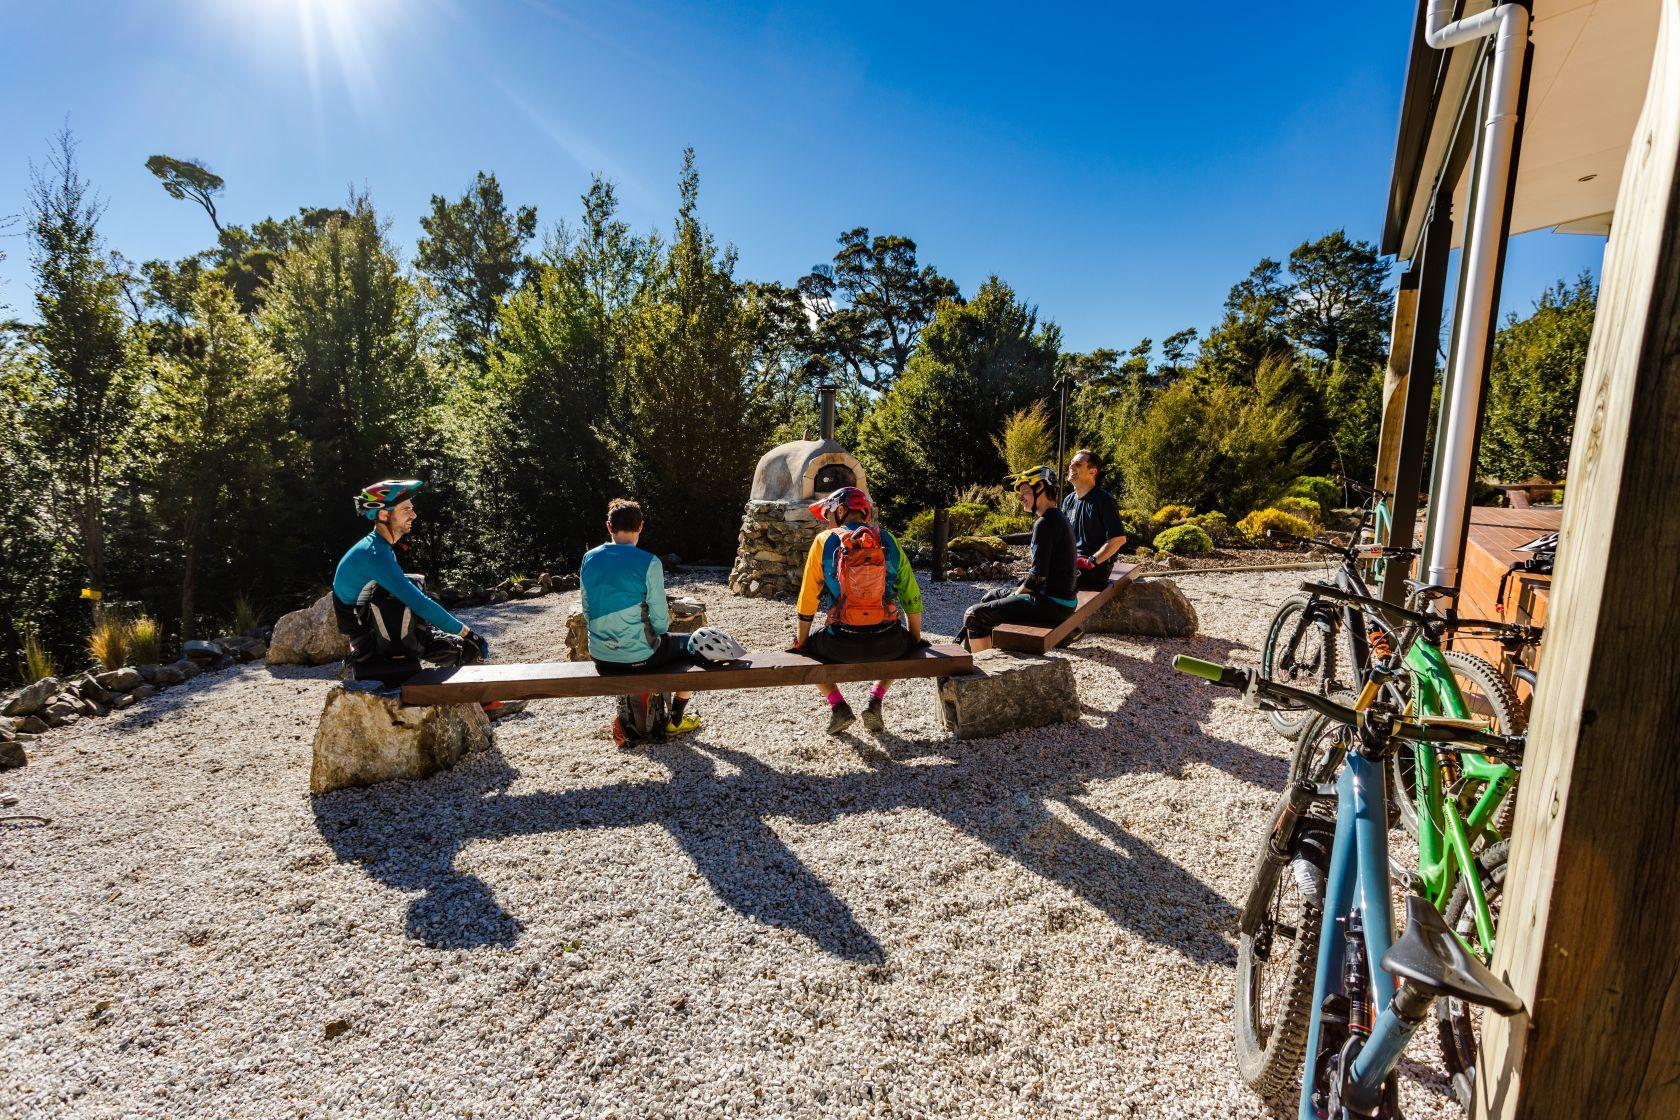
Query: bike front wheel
[
  {"x": 1275, "y": 965},
  {"x": 1303, "y": 656},
  {"x": 1486, "y": 693}
]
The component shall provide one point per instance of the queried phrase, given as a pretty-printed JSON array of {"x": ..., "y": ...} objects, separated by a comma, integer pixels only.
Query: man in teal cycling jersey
[{"x": 391, "y": 623}]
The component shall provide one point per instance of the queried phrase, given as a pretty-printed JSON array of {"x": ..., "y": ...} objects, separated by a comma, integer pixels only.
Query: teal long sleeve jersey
[
  {"x": 623, "y": 593},
  {"x": 371, "y": 562}
]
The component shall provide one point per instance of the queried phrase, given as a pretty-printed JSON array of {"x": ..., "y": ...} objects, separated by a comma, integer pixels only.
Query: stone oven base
[{"x": 775, "y": 536}]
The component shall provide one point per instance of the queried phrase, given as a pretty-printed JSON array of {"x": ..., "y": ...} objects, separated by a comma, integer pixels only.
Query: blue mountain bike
[{"x": 1370, "y": 993}]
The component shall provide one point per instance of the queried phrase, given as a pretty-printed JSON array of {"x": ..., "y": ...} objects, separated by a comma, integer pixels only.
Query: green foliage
[
  {"x": 1184, "y": 540},
  {"x": 691, "y": 419},
  {"x": 107, "y": 642},
  {"x": 1215, "y": 524},
  {"x": 927, "y": 437},
  {"x": 37, "y": 663},
  {"x": 473, "y": 251},
  {"x": 1027, "y": 439},
  {"x": 145, "y": 642},
  {"x": 1138, "y": 524},
  {"x": 871, "y": 305},
  {"x": 1326, "y": 493},
  {"x": 963, "y": 519},
  {"x": 1536, "y": 383},
  {"x": 220, "y": 437},
  {"x": 1256, "y": 525},
  {"x": 1339, "y": 302},
  {"x": 79, "y": 404},
  {"x": 246, "y": 616},
  {"x": 1003, "y": 524},
  {"x": 1173, "y": 514},
  {"x": 189, "y": 179},
  {"x": 1305, "y": 508},
  {"x": 990, "y": 547},
  {"x": 346, "y": 323}
]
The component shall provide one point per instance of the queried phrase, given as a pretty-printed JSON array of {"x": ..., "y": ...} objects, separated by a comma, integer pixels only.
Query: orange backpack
[{"x": 861, "y": 571}]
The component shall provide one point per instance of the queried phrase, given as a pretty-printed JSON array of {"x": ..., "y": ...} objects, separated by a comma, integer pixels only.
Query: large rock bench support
[
  {"x": 1150, "y": 608},
  {"x": 687, "y": 615},
  {"x": 365, "y": 737},
  {"x": 1008, "y": 692}
]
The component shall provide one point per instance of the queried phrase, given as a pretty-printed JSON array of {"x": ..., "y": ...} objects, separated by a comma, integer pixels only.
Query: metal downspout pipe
[{"x": 1507, "y": 24}]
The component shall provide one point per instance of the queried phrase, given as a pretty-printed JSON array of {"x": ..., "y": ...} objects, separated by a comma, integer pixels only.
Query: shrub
[
  {"x": 1305, "y": 508},
  {"x": 37, "y": 662},
  {"x": 1138, "y": 525},
  {"x": 144, "y": 644},
  {"x": 1173, "y": 515},
  {"x": 994, "y": 497},
  {"x": 1002, "y": 524},
  {"x": 961, "y": 520},
  {"x": 246, "y": 617},
  {"x": 1215, "y": 524},
  {"x": 1184, "y": 540},
  {"x": 1027, "y": 439},
  {"x": 1321, "y": 490},
  {"x": 108, "y": 642},
  {"x": 1256, "y": 525}
]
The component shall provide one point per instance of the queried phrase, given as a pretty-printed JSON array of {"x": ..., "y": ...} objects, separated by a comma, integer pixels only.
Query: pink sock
[
  {"x": 835, "y": 699},
  {"x": 879, "y": 692}
]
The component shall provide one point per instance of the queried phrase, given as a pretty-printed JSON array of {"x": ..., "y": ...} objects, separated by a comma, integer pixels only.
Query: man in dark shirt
[
  {"x": 1098, "y": 532},
  {"x": 1047, "y": 596}
]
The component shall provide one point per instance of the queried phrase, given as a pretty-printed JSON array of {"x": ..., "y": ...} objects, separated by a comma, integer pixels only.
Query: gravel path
[{"x": 756, "y": 921}]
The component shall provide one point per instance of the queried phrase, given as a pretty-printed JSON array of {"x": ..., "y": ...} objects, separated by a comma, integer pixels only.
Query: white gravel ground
[{"x": 757, "y": 920}]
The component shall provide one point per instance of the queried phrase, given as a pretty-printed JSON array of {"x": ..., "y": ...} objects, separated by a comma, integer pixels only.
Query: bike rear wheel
[
  {"x": 1307, "y": 660},
  {"x": 1275, "y": 964},
  {"x": 1457, "y": 1022},
  {"x": 1486, "y": 693}
]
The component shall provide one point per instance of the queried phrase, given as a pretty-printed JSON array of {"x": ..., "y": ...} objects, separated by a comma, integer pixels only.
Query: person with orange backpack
[{"x": 859, "y": 573}]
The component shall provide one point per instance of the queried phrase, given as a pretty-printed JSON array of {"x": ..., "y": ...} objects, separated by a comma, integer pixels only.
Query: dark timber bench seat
[
  {"x": 1041, "y": 639},
  {"x": 480, "y": 684}
]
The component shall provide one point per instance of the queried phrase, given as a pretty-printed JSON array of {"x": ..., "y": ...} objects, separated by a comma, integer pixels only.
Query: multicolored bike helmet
[
  {"x": 847, "y": 499},
  {"x": 388, "y": 494}
]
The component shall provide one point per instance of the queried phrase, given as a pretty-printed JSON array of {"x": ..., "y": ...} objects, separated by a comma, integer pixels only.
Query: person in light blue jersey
[
  {"x": 392, "y": 624},
  {"x": 623, "y": 599}
]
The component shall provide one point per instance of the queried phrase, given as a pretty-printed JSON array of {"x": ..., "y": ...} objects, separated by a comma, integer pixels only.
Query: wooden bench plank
[
  {"x": 1039, "y": 639},
  {"x": 480, "y": 684}
]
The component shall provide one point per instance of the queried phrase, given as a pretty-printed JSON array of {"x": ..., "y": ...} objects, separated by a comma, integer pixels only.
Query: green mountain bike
[{"x": 1456, "y": 803}]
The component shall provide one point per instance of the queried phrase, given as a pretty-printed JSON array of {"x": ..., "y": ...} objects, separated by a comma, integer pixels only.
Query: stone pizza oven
[{"x": 777, "y": 528}]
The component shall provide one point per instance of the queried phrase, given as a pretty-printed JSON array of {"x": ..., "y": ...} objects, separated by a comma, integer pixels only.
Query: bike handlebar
[{"x": 1436, "y": 730}]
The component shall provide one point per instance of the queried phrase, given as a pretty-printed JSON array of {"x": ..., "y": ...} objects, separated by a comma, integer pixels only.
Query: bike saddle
[{"x": 1431, "y": 956}]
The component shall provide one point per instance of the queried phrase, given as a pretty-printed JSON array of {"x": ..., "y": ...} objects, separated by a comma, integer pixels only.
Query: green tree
[
  {"x": 978, "y": 361},
  {"x": 86, "y": 381},
  {"x": 1339, "y": 303},
  {"x": 473, "y": 251},
  {"x": 346, "y": 323},
  {"x": 872, "y": 303},
  {"x": 218, "y": 418},
  {"x": 1536, "y": 384},
  {"x": 1174, "y": 350},
  {"x": 1252, "y": 329},
  {"x": 691, "y": 422},
  {"x": 189, "y": 179}
]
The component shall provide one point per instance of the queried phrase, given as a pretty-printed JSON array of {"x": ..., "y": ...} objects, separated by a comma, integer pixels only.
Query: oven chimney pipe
[
  {"x": 826, "y": 390},
  {"x": 1461, "y": 405}
]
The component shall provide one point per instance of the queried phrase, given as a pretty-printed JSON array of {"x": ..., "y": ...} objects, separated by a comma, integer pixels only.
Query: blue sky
[{"x": 1120, "y": 166}]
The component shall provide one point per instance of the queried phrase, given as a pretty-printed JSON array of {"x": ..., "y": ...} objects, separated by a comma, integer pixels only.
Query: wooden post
[
  {"x": 1590, "y": 930},
  {"x": 1394, "y": 377},
  {"x": 939, "y": 531}
]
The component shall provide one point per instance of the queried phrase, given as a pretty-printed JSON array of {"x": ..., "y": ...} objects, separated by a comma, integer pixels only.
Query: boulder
[
  {"x": 144, "y": 692},
  {"x": 577, "y": 637},
  {"x": 32, "y": 725},
  {"x": 365, "y": 737},
  {"x": 88, "y": 688},
  {"x": 122, "y": 702},
  {"x": 11, "y": 755},
  {"x": 201, "y": 651},
  {"x": 1008, "y": 692},
  {"x": 1149, "y": 608},
  {"x": 166, "y": 675},
  {"x": 308, "y": 637},
  {"x": 61, "y": 712},
  {"x": 186, "y": 667},
  {"x": 243, "y": 647},
  {"x": 126, "y": 679},
  {"x": 32, "y": 699},
  {"x": 991, "y": 548}
]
